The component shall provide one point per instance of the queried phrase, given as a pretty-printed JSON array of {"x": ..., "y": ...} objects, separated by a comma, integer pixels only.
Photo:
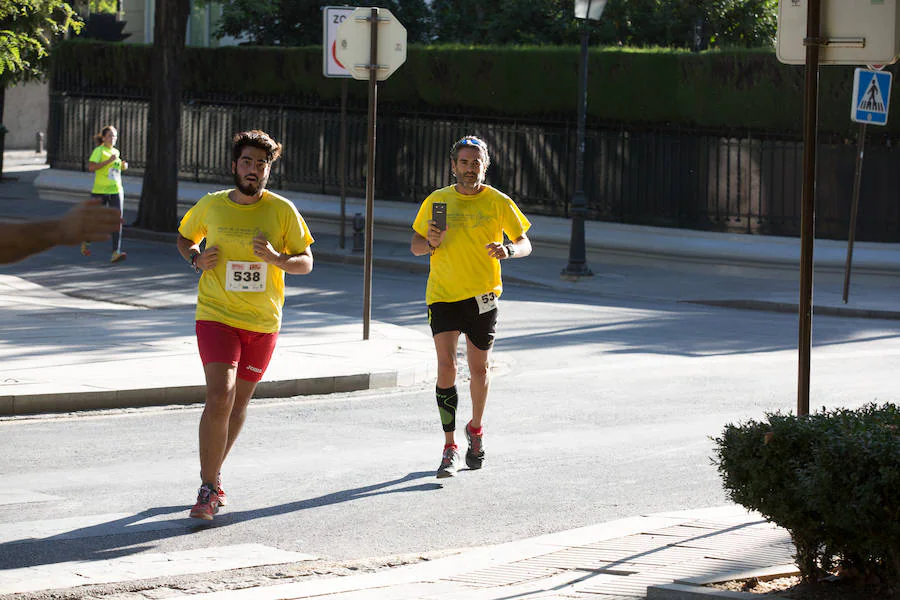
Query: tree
[
  {"x": 299, "y": 22},
  {"x": 669, "y": 23},
  {"x": 504, "y": 21},
  {"x": 159, "y": 197},
  {"x": 747, "y": 23},
  {"x": 27, "y": 31}
]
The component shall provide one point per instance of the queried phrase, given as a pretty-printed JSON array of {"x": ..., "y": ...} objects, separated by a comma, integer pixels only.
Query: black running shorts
[{"x": 463, "y": 316}]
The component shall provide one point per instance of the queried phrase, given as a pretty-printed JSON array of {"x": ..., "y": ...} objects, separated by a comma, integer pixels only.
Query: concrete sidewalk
[
  {"x": 74, "y": 351},
  {"x": 61, "y": 353},
  {"x": 665, "y": 556}
]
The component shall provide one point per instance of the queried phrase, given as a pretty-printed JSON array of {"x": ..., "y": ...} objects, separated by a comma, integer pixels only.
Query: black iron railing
[{"x": 664, "y": 177}]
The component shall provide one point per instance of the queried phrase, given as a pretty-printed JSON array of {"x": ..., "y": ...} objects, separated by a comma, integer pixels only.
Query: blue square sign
[{"x": 871, "y": 96}]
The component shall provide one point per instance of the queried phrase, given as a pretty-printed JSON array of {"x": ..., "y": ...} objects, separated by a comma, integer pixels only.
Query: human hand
[
  {"x": 264, "y": 250},
  {"x": 124, "y": 165},
  {"x": 435, "y": 234},
  {"x": 496, "y": 250},
  {"x": 208, "y": 259},
  {"x": 88, "y": 221}
]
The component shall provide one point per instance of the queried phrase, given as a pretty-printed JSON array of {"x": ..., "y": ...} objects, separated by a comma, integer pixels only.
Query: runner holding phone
[{"x": 464, "y": 236}]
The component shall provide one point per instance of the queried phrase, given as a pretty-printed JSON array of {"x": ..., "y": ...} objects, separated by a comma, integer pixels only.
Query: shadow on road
[{"x": 136, "y": 533}]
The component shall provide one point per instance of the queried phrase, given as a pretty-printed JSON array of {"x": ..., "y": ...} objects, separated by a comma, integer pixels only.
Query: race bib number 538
[{"x": 246, "y": 276}]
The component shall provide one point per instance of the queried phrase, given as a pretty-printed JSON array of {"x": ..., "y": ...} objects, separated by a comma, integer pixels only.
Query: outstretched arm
[{"x": 85, "y": 222}]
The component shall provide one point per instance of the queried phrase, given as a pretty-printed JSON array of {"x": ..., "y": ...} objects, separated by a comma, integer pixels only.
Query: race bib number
[
  {"x": 487, "y": 302},
  {"x": 115, "y": 174},
  {"x": 246, "y": 276}
]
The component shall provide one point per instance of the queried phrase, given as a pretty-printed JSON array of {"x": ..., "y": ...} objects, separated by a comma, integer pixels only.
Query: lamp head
[{"x": 589, "y": 9}]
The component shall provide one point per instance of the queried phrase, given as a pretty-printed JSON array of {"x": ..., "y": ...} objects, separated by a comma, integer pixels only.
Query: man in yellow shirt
[
  {"x": 464, "y": 284},
  {"x": 253, "y": 237}
]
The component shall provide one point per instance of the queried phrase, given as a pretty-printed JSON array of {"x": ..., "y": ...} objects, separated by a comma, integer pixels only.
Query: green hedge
[
  {"x": 832, "y": 479},
  {"x": 734, "y": 90}
]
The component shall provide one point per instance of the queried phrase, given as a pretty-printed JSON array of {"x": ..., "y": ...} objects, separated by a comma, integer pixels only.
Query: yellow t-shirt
[
  {"x": 107, "y": 180},
  {"x": 461, "y": 268},
  {"x": 231, "y": 227}
]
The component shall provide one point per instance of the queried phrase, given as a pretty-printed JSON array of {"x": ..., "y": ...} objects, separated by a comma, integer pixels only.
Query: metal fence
[{"x": 675, "y": 178}]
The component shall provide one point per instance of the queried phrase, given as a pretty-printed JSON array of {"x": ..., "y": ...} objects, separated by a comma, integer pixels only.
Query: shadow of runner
[{"x": 128, "y": 536}]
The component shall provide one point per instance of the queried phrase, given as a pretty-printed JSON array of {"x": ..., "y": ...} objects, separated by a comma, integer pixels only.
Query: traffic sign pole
[
  {"x": 370, "y": 175},
  {"x": 371, "y": 44},
  {"x": 808, "y": 200},
  {"x": 868, "y": 105},
  {"x": 854, "y": 208},
  {"x": 342, "y": 165}
]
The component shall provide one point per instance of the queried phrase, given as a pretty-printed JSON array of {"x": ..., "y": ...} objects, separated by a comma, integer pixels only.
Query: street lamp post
[{"x": 577, "y": 267}]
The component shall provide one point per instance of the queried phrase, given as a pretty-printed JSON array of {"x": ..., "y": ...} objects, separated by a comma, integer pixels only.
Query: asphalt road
[{"x": 600, "y": 408}]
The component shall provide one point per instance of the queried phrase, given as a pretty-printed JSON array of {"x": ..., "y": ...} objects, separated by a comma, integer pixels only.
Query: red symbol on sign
[{"x": 334, "y": 55}]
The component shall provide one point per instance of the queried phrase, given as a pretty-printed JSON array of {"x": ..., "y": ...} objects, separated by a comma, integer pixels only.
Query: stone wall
[{"x": 26, "y": 111}]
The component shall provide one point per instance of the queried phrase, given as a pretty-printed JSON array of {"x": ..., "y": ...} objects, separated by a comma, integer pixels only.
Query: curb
[{"x": 20, "y": 405}]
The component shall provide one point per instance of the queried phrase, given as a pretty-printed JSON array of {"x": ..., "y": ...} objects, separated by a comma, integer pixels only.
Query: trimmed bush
[
  {"x": 832, "y": 479},
  {"x": 725, "y": 91}
]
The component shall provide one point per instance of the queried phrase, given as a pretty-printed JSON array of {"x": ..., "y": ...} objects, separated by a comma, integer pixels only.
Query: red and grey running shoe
[
  {"x": 207, "y": 503},
  {"x": 449, "y": 462},
  {"x": 475, "y": 453},
  {"x": 223, "y": 499}
]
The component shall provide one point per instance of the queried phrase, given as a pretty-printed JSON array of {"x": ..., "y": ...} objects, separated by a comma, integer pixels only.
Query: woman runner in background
[{"x": 107, "y": 167}]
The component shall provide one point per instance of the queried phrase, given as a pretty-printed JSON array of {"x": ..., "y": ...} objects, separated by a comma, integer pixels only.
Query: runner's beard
[
  {"x": 469, "y": 180},
  {"x": 249, "y": 188}
]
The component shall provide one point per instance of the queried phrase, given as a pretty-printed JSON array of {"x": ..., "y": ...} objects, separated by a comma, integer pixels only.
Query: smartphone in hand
[{"x": 439, "y": 214}]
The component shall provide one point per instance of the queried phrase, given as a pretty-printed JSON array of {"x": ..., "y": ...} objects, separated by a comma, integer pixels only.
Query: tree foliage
[
  {"x": 690, "y": 23},
  {"x": 103, "y": 6},
  {"x": 299, "y": 22},
  {"x": 27, "y": 30},
  {"x": 504, "y": 21},
  {"x": 641, "y": 23}
]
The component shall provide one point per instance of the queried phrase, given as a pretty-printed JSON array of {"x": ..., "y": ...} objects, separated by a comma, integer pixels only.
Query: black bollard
[{"x": 359, "y": 236}]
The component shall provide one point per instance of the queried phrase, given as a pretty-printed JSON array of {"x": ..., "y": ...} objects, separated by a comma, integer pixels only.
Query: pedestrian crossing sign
[{"x": 871, "y": 95}]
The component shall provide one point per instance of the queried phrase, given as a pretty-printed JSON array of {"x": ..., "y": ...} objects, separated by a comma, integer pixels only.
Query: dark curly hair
[{"x": 255, "y": 139}]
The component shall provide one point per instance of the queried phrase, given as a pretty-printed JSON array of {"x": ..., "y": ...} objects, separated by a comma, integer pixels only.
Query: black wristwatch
[
  {"x": 194, "y": 258},
  {"x": 510, "y": 249}
]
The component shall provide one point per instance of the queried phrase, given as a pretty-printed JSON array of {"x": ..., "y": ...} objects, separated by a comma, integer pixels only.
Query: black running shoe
[
  {"x": 449, "y": 462},
  {"x": 475, "y": 453}
]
